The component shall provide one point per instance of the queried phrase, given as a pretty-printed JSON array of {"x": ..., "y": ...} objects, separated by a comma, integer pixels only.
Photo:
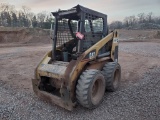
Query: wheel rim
[
  {"x": 116, "y": 79},
  {"x": 95, "y": 88},
  {"x": 97, "y": 91}
]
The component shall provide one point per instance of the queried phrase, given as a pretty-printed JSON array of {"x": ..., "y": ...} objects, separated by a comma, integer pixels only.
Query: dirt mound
[
  {"x": 24, "y": 35},
  {"x": 157, "y": 35}
]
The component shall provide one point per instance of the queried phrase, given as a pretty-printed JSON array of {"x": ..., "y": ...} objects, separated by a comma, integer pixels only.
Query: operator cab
[{"x": 75, "y": 31}]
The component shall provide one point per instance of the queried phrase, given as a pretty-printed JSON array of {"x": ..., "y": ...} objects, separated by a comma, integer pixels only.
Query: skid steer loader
[{"x": 83, "y": 62}]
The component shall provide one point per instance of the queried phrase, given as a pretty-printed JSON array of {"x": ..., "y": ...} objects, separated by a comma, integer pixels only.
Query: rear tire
[
  {"x": 90, "y": 88},
  {"x": 112, "y": 74}
]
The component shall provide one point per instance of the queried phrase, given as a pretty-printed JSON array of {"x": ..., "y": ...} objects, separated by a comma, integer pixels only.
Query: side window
[
  {"x": 97, "y": 25},
  {"x": 94, "y": 25},
  {"x": 87, "y": 26}
]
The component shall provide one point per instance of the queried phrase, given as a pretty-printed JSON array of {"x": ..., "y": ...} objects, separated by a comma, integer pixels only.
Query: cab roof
[{"x": 75, "y": 13}]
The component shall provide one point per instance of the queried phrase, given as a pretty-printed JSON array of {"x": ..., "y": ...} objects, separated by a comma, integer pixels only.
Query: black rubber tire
[
  {"x": 90, "y": 88},
  {"x": 112, "y": 74}
]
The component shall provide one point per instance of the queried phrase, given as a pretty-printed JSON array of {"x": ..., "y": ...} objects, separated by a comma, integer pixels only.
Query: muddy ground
[{"x": 138, "y": 97}]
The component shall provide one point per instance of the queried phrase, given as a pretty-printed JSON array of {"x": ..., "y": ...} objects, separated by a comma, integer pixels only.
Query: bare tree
[
  {"x": 126, "y": 21},
  {"x": 4, "y": 7},
  {"x": 132, "y": 20},
  {"x": 41, "y": 18},
  {"x": 30, "y": 17},
  {"x": 149, "y": 17},
  {"x": 141, "y": 17},
  {"x": 6, "y": 14},
  {"x": 116, "y": 25},
  {"x": 157, "y": 20},
  {"x": 26, "y": 10}
]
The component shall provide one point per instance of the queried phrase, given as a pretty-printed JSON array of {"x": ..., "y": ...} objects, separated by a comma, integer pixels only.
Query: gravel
[
  {"x": 137, "y": 102},
  {"x": 147, "y": 49}
]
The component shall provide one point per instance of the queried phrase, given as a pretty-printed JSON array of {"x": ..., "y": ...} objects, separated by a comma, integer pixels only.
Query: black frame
[{"x": 77, "y": 13}]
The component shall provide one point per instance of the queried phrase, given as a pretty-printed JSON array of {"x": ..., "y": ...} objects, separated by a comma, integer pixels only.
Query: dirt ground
[
  {"x": 18, "y": 63},
  {"x": 140, "y": 76}
]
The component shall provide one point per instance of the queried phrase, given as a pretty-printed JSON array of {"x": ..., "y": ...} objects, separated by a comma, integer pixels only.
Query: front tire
[{"x": 90, "y": 88}]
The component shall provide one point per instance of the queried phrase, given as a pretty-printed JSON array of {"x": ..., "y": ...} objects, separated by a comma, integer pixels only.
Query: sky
[{"x": 115, "y": 9}]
